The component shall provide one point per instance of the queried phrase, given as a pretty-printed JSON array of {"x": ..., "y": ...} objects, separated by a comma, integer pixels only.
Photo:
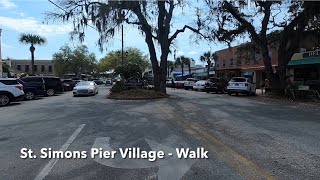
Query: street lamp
[{"x": 1, "y": 70}]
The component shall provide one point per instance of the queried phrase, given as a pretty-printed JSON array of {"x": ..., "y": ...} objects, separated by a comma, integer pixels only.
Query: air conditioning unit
[{"x": 302, "y": 50}]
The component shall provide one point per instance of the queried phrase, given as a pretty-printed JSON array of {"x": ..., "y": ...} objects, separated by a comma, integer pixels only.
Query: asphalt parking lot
[{"x": 245, "y": 138}]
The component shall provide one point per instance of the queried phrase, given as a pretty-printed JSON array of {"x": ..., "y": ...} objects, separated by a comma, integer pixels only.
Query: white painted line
[{"x": 45, "y": 171}]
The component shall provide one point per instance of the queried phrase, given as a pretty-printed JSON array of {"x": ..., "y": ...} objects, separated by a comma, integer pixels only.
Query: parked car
[
  {"x": 10, "y": 90},
  {"x": 241, "y": 85},
  {"x": 216, "y": 85},
  {"x": 168, "y": 82},
  {"x": 71, "y": 82},
  {"x": 85, "y": 88},
  {"x": 199, "y": 85},
  {"x": 53, "y": 85},
  {"x": 179, "y": 84},
  {"x": 66, "y": 87},
  {"x": 189, "y": 82},
  {"x": 108, "y": 82},
  {"x": 98, "y": 82},
  {"x": 32, "y": 89}
]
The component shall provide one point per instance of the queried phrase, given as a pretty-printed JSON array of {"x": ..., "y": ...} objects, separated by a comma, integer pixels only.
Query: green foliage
[
  {"x": 32, "y": 39},
  {"x": 113, "y": 60},
  {"x": 77, "y": 61},
  {"x": 118, "y": 87}
]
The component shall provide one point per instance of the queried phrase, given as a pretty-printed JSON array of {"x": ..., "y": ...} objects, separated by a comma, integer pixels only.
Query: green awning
[{"x": 304, "y": 61}]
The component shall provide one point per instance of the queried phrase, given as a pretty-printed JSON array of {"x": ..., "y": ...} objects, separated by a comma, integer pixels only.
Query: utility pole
[
  {"x": 122, "y": 57},
  {"x": 1, "y": 69}
]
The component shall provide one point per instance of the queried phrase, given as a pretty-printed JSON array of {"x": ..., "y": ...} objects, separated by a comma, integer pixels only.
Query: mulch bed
[{"x": 137, "y": 94}]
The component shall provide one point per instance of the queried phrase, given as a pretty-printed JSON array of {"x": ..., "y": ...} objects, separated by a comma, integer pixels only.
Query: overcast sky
[{"x": 27, "y": 16}]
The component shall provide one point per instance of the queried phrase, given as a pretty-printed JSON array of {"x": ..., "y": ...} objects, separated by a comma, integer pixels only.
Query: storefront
[{"x": 304, "y": 68}]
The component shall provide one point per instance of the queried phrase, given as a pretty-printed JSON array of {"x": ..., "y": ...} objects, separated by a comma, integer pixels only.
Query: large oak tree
[{"x": 153, "y": 18}]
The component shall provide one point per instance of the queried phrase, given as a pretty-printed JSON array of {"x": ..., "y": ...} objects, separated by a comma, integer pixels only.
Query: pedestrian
[
  {"x": 267, "y": 85},
  {"x": 262, "y": 85},
  {"x": 173, "y": 85}
]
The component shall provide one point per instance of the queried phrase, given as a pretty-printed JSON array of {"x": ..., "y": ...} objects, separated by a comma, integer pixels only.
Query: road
[{"x": 245, "y": 138}]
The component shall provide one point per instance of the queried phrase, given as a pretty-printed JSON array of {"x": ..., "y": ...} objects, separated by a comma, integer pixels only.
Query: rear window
[
  {"x": 9, "y": 82},
  {"x": 67, "y": 81},
  {"x": 238, "y": 80}
]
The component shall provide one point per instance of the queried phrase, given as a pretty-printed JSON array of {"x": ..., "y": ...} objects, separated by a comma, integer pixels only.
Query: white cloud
[
  {"x": 30, "y": 24},
  {"x": 7, "y": 4},
  {"x": 8, "y": 46},
  {"x": 180, "y": 53}
]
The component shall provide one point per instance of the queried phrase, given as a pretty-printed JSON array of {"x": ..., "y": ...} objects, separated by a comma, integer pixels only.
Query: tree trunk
[
  {"x": 267, "y": 61},
  {"x": 32, "y": 49},
  {"x": 182, "y": 71},
  {"x": 208, "y": 69}
]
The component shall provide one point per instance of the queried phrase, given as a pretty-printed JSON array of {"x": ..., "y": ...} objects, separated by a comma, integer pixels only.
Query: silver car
[{"x": 85, "y": 88}]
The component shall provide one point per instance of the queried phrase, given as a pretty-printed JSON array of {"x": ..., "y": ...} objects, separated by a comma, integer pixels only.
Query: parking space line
[{"x": 45, "y": 171}]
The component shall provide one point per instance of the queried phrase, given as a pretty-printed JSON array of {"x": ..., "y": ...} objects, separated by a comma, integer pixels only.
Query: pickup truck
[{"x": 10, "y": 90}]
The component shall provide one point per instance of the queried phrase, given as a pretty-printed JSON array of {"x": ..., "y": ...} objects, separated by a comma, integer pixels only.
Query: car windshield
[
  {"x": 238, "y": 80},
  {"x": 85, "y": 83}
]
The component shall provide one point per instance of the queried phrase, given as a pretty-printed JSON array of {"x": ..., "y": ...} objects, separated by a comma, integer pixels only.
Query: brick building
[{"x": 41, "y": 67}]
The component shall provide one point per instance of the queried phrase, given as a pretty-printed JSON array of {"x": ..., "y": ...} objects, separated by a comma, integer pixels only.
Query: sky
[{"x": 28, "y": 16}]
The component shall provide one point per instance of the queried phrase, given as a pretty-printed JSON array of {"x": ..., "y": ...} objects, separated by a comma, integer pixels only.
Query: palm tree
[
  {"x": 188, "y": 63},
  {"x": 32, "y": 39},
  {"x": 208, "y": 57},
  {"x": 170, "y": 66}
]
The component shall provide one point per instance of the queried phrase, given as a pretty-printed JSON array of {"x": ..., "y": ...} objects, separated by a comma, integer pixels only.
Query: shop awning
[
  {"x": 305, "y": 58},
  {"x": 304, "y": 61}
]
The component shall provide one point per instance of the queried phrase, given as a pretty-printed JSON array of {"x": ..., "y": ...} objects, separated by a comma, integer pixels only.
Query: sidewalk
[{"x": 298, "y": 104}]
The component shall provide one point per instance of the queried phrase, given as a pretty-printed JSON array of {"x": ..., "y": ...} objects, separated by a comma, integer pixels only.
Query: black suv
[
  {"x": 32, "y": 89},
  {"x": 216, "y": 85},
  {"x": 52, "y": 85}
]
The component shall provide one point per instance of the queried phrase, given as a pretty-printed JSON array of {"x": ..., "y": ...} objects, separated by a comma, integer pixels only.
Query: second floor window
[
  {"x": 224, "y": 63},
  {"x": 231, "y": 62}
]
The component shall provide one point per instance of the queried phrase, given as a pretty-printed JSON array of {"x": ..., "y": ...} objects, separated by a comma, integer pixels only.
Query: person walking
[
  {"x": 267, "y": 86},
  {"x": 173, "y": 85}
]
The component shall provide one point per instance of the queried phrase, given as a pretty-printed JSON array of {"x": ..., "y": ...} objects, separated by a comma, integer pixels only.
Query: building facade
[{"x": 41, "y": 67}]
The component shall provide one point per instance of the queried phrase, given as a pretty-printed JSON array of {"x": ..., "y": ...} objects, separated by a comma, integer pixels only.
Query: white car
[
  {"x": 199, "y": 85},
  {"x": 10, "y": 90},
  {"x": 189, "y": 82},
  {"x": 241, "y": 85},
  {"x": 85, "y": 88}
]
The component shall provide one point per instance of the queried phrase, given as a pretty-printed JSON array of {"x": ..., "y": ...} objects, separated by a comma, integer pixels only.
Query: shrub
[{"x": 118, "y": 87}]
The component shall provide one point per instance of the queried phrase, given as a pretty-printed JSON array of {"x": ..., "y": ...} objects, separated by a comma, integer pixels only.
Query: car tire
[
  {"x": 5, "y": 99},
  {"x": 229, "y": 93},
  {"x": 29, "y": 95},
  {"x": 50, "y": 92},
  {"x": 237, "y": 94}
]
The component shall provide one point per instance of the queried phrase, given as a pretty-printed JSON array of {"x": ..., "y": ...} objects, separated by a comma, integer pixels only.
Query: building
[
  {"x": 231, "y": 64},
  {"x": 304, "y": 69},
  {"x": 41, "y": 67}
]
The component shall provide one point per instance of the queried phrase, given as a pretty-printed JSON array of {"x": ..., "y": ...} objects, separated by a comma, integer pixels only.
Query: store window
[
  {"x": 42, "y": 68},
  {"x": 35, "y": 67},
  {"x": 50, "y": 68},
  {"x": 305, "y": 74}
]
